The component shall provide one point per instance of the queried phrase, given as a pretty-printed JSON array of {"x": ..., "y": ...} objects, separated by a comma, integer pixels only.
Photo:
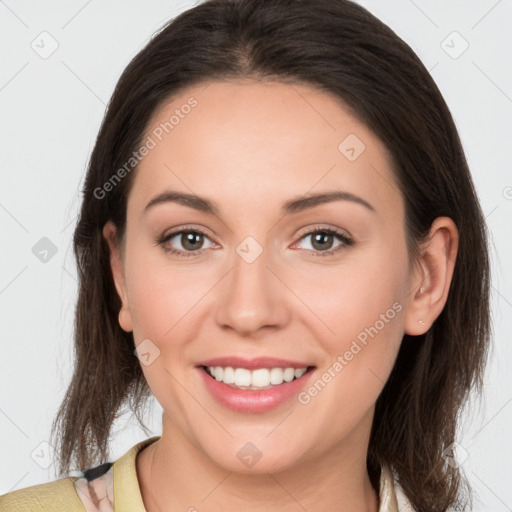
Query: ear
[
  {"x": 432, "y": 277},
  {"x": 116, "y": 266}
]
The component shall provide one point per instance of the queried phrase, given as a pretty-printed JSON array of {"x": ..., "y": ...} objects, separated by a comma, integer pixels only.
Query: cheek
[
  {"x": 162, "y": 295},
  {"x": 162, "y": 300},
  {"x": 361, "y": 305},
  {"x": 359, "y": 359},
  {"x": 356, "y": 295}
]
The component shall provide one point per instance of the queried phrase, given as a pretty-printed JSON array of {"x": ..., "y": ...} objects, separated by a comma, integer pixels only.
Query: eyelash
[{"x": 347, "y": 242}]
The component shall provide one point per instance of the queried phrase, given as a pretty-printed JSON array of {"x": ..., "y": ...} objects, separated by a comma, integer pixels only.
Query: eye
[
  {"x": 190, "y": 240},
  {"x": 322, "y": 240}
]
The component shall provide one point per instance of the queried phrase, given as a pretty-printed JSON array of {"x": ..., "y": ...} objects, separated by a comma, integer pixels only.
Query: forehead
[{"x": 251, "y": 144}]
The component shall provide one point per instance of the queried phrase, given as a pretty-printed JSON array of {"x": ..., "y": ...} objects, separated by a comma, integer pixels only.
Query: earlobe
[
  {"x": 432, "y": 277},
  {"x": 116, "y": 267}
]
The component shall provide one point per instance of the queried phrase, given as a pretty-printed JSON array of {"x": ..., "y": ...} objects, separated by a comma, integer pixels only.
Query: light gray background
[{"x": 51, "y": 109}]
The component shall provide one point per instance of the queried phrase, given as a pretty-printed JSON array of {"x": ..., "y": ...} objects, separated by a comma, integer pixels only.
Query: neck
[{"x": 175, "y": 475}]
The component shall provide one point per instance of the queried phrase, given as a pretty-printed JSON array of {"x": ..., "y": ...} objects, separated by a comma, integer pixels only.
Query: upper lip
[{"x": 253, "y": 363}]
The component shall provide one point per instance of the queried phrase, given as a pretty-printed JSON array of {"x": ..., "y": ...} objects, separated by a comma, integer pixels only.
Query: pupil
[
  {"x": 189, "y": 239},
  {"x": 321, "y": 237}
]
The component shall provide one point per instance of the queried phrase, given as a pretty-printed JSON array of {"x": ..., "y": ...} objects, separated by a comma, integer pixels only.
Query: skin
[{"x": 250, "y": 146}]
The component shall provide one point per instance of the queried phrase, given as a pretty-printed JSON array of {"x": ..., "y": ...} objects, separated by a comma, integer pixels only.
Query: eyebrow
[{"x": 292, "y": 206}]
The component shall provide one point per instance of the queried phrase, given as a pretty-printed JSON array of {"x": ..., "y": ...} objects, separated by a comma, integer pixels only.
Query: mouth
[
  {"x": 255, "y": 379},
  {"x": 254, "y": 385}
]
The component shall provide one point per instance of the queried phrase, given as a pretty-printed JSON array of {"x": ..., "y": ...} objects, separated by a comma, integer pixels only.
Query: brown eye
[
  {"x": 322, "y": 240},
  {"x": 185, "y": 242},
  {"x": 191, "y": 240}
]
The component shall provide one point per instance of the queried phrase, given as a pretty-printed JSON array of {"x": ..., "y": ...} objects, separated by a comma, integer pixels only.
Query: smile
[
  {"x": 261, "y": 378},
  {"x": 256, "y": 385}
]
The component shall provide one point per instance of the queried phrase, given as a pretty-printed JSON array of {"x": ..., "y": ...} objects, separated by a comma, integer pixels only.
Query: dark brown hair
[{"x": 340, "y": 48}]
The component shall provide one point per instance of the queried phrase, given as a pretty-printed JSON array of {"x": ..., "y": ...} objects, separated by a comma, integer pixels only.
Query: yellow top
[{"x": 117, "y": 490}]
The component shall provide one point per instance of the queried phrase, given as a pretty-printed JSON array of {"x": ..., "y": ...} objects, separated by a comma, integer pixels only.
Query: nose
[{"x": 253, "y": 296}]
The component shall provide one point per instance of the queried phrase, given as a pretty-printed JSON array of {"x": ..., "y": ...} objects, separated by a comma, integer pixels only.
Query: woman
[{"x": 280, "y": 240}]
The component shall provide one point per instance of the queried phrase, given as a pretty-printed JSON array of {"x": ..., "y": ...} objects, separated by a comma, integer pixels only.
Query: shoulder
[
  {"x": 91, "y": 492},
  {"x": 56, "y": 496}
]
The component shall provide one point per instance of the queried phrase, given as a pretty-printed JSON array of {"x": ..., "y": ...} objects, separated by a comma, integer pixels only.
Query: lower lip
[{"x": 246, "y": 400}]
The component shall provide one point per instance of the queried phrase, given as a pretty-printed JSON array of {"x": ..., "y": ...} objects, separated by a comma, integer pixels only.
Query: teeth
[
  {"x": 300, "y": 372},
  {"x": 255, "y": 379},
  {"x": 228, "y": 376},
  {"x": 242, "y": 377},
  {"x": 260, "y": 378}
]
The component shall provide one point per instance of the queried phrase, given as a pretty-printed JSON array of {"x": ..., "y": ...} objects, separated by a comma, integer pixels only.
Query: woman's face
[{"x": 251, "y": 287}]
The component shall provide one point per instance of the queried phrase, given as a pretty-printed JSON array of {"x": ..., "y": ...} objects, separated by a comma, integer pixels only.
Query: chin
[{"x": 255, "y": 457}]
